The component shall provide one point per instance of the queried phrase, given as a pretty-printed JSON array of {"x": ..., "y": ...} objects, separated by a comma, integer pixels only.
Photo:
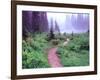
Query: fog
[{"x": 69, "y": 22}]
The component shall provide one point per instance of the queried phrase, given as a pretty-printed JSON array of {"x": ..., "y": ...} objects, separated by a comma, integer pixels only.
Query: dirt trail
[{"x": 53, "y": 58}]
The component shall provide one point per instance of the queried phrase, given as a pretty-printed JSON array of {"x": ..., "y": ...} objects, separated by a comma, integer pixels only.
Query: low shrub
[
  {"x": 34, "y": 54},
  {"x": 76, "y": 52}
]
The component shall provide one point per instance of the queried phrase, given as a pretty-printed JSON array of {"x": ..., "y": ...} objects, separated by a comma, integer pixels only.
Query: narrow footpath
[{"x": 53, "y": 58}]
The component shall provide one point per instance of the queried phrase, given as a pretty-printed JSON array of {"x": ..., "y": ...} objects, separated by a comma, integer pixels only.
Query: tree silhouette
[
  {"x": 34, "y": 21},
  {"x": 72, "y": 35},
  {"x": 44, "y": 22},
  {"x": 57, "y": 27},
  {"x": 26, "y": 23},
  {"x": 52, "y": 36}
]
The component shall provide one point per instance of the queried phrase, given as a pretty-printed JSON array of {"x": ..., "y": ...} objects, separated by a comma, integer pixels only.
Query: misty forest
[{"x": 54, "y": 39}]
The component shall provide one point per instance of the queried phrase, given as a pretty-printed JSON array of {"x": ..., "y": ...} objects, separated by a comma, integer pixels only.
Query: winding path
[{"x": 53, "y": 58}]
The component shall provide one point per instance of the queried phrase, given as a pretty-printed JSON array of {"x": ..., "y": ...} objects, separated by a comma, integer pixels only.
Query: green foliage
[
  {"x": 34, "y": 53},
  {"x": 76, "y": 52},
  {"x": 55, "y": 42},
  {"x": 79, "y": 42},
  {"x": 35, "y": 49},
  {"x": 34, "y": 59}
]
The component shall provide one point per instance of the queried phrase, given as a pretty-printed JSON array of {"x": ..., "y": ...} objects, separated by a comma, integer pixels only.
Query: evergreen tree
[
  {"x": 57, "y": 28},
  {"x": 51, "y": 35},
  {"x": 26, "y": 23}
]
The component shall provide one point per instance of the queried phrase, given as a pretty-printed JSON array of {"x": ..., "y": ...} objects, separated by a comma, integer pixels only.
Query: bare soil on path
[{"x": 53, "y": 58}]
